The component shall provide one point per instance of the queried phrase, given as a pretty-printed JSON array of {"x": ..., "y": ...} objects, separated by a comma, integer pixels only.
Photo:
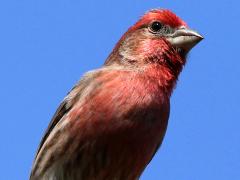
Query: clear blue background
[{"x": 45, "y": 47}]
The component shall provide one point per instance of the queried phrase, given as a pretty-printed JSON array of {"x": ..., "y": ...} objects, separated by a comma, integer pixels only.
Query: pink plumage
[{"x": 112, "y": 122}]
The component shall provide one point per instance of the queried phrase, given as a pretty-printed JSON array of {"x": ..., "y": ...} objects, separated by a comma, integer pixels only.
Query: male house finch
[{"x": 112, "y": 122}]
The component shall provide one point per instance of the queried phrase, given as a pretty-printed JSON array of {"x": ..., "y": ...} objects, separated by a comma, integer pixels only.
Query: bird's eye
[{"x": 156, "y": 26}]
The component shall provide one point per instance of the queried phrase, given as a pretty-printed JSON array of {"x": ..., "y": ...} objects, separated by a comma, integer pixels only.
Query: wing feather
[{"x": 72, "y": 97}]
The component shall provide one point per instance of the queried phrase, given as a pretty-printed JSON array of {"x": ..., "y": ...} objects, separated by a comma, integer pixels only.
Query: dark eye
[{"x": 156, "y": 26}]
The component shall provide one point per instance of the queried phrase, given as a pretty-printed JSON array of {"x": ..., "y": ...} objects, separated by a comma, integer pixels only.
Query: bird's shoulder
[{"x": 86, "y": 84}]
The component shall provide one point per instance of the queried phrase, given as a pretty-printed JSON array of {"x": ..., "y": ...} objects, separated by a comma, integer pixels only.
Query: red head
[
  {"x": 159, "y": 37},
  {"x": 166, "y": 17}
]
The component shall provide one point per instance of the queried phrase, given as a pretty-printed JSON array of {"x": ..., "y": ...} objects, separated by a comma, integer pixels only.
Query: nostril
[{"x": 182, "y": 27}]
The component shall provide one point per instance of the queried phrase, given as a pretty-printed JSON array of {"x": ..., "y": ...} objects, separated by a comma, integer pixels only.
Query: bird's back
[{"x": 111, "y": 130}]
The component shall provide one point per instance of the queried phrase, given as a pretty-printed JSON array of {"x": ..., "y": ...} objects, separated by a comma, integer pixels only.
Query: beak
[{"x": 184, "y": 38}]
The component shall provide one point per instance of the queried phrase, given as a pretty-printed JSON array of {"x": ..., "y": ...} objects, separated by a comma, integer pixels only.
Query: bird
[{"x": 113, "y": 121}]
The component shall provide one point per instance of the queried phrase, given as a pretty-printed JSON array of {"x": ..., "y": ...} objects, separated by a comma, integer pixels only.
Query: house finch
[{"x": 112, "y": 122}]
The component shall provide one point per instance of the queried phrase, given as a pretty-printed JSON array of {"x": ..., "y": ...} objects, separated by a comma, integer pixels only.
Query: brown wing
[
  {"x": 62, "y": 109},
  {"x": 67, "y": 104}
]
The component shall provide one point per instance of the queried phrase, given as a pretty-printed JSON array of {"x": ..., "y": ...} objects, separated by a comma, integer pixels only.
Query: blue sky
[{"x": 46, "y": 46}]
